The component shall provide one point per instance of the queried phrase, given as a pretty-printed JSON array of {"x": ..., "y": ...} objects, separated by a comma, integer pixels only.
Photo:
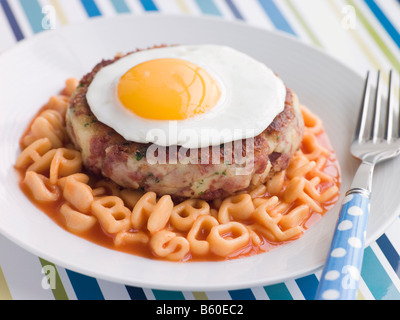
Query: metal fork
[{"x": 340, "y": 277}]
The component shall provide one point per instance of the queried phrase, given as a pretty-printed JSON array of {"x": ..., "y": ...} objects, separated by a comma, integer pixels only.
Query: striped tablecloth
[{"x": 364, "y": 34}]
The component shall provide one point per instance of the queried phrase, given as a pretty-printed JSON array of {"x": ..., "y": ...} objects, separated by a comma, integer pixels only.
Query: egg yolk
[{"x": 168, "y": 89}]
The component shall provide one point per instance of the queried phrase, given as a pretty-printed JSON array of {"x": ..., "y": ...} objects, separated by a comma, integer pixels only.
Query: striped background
[{"x": 373, "y": 42}]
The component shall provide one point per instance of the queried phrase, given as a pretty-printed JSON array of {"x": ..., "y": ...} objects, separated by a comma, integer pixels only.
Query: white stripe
[
  {"x": 149, "y": 294},
  {"x": 23, "y": 272},
  {"x": 259, "y": 293},
  {"x": 218, "y": 295},
  {"x": 192, "y": 6},
  {"x": 135, "y": 6},
  {"x": 168, "y": 7},
  {"x": 113, "y": 291},
  {"x": 106, "y": 8},
  {"x": 73, "y": 10},
  {"x": 294, "y": 290},
  {"x": 188, "y": 295}
]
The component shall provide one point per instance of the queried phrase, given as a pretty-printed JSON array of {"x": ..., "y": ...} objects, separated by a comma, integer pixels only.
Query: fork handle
[{"x": 341, "y": 274}]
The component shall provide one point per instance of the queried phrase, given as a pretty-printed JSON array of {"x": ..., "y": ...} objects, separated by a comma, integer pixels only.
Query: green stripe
[
  {"x": 278, "y": 291},
  {"x": 58, "y": 288},
  {"x": 5, "y": 293},
  {"x": 168, "y": 295},
  {"x": 371, "y": 30},
  {"x": 303, "y": 23},
  {"x": 200, "y": 295}
]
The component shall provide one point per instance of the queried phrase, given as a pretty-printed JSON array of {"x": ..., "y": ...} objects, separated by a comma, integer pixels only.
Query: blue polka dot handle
[{"x": 340, "y": 277}]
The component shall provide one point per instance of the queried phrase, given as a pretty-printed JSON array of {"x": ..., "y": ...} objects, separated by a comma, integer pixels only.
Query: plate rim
[{"x": 156, "y": 16}]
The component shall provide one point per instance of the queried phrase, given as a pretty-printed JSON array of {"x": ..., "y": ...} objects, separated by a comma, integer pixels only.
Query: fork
[{"x": 372, "y": 145}]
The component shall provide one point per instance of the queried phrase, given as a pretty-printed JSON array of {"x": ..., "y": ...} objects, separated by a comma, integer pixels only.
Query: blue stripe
[
  {"x": 149, "y": 5},
  {"x": 208, "y": 7},
  {"x": 390, "y": 29},
  {"x": 120, "y": 6},
  {"x": 168, "y": 295},
  {"x": 276, "y": 16},
  {"x": 86, "y": 288},
  {"x": 243, "y": 294},
  {"x": 376, "y": 278},
  {"x": 234, "y": 9},
  {"x": 136, "y": 293},
  {"x": 390, "y": 253},
  {"x": 33, "y": 12},
  {"x": 308, "y": 286},
  {"x": 91, "y": 8},
  {"x": 11, "y": 20},
  {"x": 278, "y": 291}
]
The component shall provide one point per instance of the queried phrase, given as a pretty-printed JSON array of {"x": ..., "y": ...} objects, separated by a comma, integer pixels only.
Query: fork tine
[
  {"x": 362, "y": 116},
  {"x": 377, "y": 108},
  {"x": 390, "y": 110}
]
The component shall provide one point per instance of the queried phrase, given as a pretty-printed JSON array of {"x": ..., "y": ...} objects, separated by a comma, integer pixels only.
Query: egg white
[{"x": 251, "y": 97}]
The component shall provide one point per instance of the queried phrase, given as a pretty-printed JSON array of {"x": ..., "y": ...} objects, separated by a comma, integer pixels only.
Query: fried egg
[{"x": 192, "y": 96}]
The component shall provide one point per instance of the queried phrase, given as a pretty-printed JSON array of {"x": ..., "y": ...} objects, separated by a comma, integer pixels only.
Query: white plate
[{"x": 37, "y": 68}]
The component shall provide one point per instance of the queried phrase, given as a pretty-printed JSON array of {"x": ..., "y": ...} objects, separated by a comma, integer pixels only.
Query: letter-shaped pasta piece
[
  {"x": 239, "y": 207},
  {"x": 40, "y": 187},
  {"x": 279, "y": 208},
  {"x": 58, "y": 103},
  {"x": 81, "y": 177},
  {"x": 49, "y": 124},
  {"x": 43, "y": 164},
  {"x": 75, "y": 221},
  {"x": 111, "y": 213},
  {"x": 143, "y": 209},
  {"x": 167, "y": 244},
  {"x": 185, "y": 213},
  {"x": 198, "y": 234},
  {"x": 295, "y": 217},
  {"x": 299, "y": 166},
  {"x": 227, "y": 238},
  {"x": 127, "y": 237},
  {"x": 273, "y": 232},
  {"x": 311, "y": 148},
  {"x": 295, "y": 190},
  {"x": 259, "y": 191},
  {"x": 254, "y": 237},
  {"x": 312, "y": 123},
  {"x": 78, "y": 194},
  {"x": 310, "y": 188},
  {"x": 33, "y": 153},
  {"x": 70, "y": 86},
  {"x": 65, "y": 163},
  {"x": 276, "y": 183},
  {"x": 259, "y": 201},
  {"x": 160, "y": 214},
  {"x": 130, "y": 197},
  {"x": 318, "y": 170}
]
